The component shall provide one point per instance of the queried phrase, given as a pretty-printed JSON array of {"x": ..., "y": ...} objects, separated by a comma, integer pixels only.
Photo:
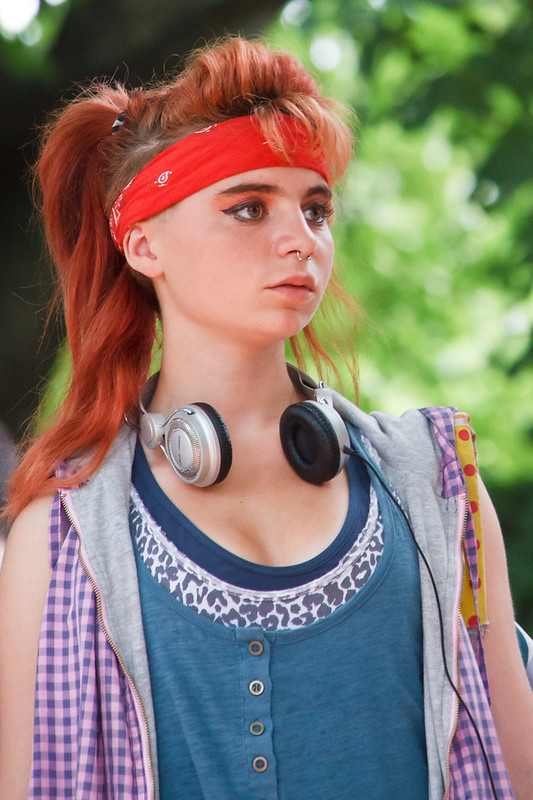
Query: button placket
[{"x": 257, "y": 693}]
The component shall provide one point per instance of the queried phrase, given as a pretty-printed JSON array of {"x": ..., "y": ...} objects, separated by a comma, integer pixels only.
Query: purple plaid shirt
[
  {"x": 90, "y": 739},
  {"x": 469, "y": 776}
]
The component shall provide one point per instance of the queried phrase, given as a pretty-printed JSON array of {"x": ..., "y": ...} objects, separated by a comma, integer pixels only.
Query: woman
[{"x": 234, "y": 606}]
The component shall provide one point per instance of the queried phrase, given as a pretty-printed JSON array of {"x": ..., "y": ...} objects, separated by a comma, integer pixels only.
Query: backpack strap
[{"x": 473, "y": 603}]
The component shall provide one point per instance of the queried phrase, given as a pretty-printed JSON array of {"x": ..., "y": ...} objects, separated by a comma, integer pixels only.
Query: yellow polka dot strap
[{"x": 466, "y": 450}]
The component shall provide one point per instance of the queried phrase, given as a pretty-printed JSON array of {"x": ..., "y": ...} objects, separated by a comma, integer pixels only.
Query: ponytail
[{"x": 109, "y": 315}]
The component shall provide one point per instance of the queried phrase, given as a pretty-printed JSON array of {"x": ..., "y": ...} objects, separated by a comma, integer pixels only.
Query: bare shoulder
[
  {"x": 26, "y": 552},
  {"x": 24, "y": 581},
  {"x": 24, "y": 578},
  {"x": 512, "y": 699},
  {"x": 33, "y": 518}
]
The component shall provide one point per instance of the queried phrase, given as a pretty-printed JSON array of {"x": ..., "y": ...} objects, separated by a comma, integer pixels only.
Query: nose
[{"x": 295, "y": 237}]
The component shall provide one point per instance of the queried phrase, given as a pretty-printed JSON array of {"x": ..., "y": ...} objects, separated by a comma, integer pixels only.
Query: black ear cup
[
  {"x": 313, "y": 437},
  {"x": 223, "y": 438}
]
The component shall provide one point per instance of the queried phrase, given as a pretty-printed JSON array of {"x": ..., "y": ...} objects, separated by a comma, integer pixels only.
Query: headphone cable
[{"x": 397, "y": 502}]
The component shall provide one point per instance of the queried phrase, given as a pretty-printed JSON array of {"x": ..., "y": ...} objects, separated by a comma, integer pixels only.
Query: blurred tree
[{"x": 433, "y": 231}]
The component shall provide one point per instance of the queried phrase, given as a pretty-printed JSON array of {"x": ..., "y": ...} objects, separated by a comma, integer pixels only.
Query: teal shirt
[{"x": 334, "y": 709}]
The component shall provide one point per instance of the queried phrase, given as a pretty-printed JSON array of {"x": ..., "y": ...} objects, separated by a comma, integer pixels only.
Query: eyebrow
[{"x": 269, "y": 188}]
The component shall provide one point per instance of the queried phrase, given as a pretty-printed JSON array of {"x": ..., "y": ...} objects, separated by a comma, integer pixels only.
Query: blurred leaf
[{"x": 433, "y": 231}]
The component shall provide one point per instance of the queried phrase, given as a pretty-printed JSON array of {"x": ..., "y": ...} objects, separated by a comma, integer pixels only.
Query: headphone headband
[{"x": 197, "y": 444}]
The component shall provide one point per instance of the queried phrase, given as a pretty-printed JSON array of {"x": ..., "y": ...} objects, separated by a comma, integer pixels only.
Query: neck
[{"x": 239, "y": 383}]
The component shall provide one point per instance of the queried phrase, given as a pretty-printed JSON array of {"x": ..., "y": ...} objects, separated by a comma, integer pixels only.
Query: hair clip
[{"x": 119, "y": 122}]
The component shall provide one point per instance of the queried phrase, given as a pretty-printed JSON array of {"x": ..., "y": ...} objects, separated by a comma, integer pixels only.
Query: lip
[{"x": 298, "y": 282}]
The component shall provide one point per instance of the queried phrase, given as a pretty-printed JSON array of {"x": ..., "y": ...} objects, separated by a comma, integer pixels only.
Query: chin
[
  {"x": 286, "y": 332},
  {"x": 281, "y": 326}
]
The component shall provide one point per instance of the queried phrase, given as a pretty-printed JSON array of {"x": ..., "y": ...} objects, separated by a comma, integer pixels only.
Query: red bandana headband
[{"x": 201, "y": 159}]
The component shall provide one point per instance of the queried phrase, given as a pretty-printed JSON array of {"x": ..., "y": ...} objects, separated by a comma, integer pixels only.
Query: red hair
[{"x": 110, "y": 314}]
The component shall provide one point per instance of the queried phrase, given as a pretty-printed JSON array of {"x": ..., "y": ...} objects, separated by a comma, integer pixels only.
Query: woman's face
[{"x": 224, "y": 260}]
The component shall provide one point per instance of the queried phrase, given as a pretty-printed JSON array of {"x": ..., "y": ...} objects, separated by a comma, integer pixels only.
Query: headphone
[{"x": 196, "y": 442}]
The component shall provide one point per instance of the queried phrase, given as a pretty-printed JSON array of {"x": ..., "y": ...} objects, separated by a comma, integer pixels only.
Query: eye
[
  {"x": 318, "y": 212},
  {"x": 249, "y": 211}
]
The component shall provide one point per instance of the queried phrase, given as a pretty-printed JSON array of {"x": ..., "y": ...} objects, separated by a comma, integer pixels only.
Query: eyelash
[{"x": 326, "y": 211}]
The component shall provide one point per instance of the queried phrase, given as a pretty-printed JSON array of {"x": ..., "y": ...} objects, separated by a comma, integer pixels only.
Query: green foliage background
[
  {"x": 433, "y": 229},
  {"x": 433, "y": 234}
]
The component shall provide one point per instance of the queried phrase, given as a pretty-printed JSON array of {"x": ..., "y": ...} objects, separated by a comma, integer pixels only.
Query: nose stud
[{"x": 299, "y": 256}]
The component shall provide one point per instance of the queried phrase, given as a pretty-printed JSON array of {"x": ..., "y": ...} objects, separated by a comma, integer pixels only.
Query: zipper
[
  {"x": 100, "y": 616},
  {"x": 457, "y": 642}
]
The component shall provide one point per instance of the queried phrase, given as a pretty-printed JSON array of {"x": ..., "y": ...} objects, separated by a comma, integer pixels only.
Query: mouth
[
  {"x": 295, "y": 290},
  {"x": 297, "y": 282}
]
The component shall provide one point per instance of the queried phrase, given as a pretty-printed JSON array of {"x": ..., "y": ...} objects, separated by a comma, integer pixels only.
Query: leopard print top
[{"x": 231, "y": 605}]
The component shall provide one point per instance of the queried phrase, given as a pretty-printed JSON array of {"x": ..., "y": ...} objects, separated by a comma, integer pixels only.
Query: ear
[{"x": 139, "y": 254}]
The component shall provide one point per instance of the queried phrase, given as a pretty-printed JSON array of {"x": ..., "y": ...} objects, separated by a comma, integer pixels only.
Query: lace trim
[{"x": 235, "y": 606}]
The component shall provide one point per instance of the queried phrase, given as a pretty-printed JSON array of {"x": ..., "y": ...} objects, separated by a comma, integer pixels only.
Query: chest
[{"x": 270, "y": 517}]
